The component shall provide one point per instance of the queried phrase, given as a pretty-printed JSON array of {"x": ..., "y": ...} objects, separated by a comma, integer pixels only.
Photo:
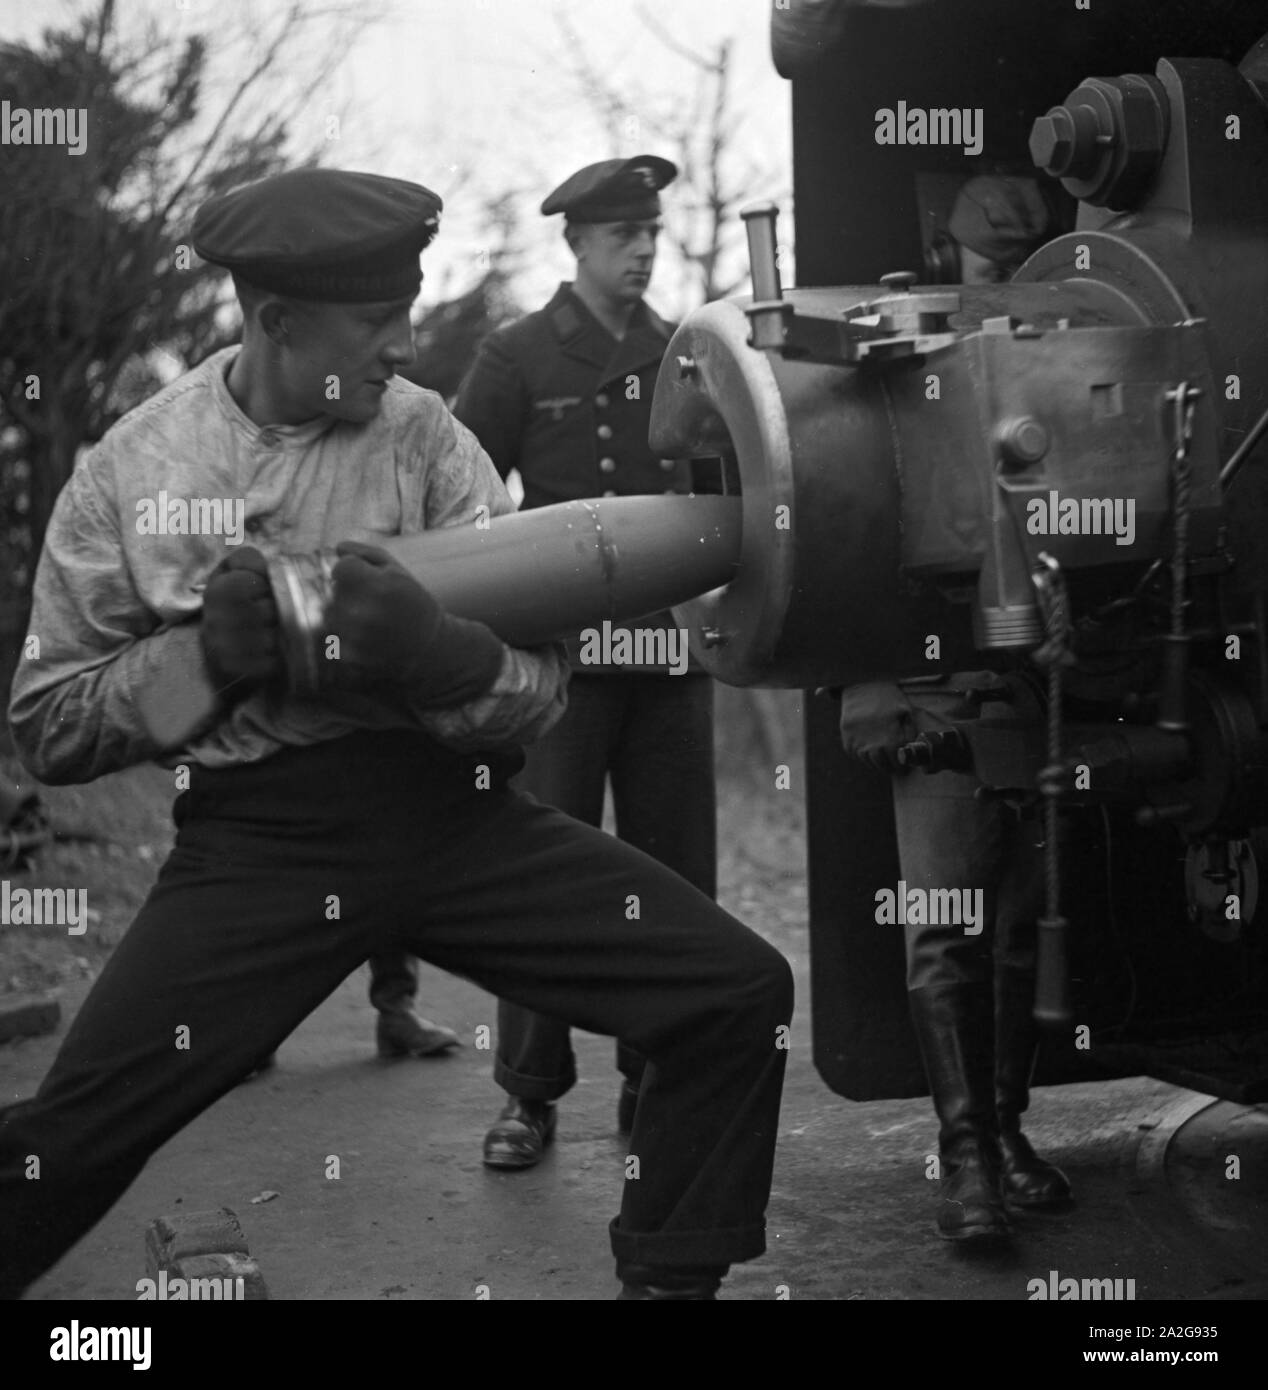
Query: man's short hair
[
  {"x": 573, "y": 232},
  {"x": 249, "y": 295}
]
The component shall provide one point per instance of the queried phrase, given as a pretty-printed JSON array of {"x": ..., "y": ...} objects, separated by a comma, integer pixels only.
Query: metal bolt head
[
  {"x": 918, "y": 753},
  {"x": 1052, "y": 141},
  {"x": 1022, "y": 439},
  {"x": 901, "y": 280}
]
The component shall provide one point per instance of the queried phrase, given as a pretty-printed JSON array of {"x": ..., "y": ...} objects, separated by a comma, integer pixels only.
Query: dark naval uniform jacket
[{"x": 557, "y": 397}]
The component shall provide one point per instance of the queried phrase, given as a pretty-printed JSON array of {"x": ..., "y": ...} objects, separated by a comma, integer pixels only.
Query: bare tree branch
[
  {"x": 654, "y": 25},
  {"x": 701, "y": 134}
]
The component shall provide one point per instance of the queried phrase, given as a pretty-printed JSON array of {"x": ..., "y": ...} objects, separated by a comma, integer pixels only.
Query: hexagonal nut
[
  {"x": 1141, "y": 120},
  {"x": 1140, "y": 104},
  {"x": 1051, "y": 143}
]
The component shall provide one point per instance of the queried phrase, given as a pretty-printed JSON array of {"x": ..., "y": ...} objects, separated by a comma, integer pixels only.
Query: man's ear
[{"x": 274, "y": 317}]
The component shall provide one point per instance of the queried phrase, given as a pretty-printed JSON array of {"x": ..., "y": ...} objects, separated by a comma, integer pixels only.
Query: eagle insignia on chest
[{"x": 557, "y": 405}]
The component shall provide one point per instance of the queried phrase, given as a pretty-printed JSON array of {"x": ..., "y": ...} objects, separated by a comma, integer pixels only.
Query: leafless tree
[
  {"x": 700, "y": 131},
  {"x": 96, "y": 274},
  {"x": 448, "y": 332}
]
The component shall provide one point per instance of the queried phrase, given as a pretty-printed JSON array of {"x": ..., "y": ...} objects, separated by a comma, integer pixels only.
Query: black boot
[
  {"x": 955, "y": 1027},
  {"x": 1026, "y": 1181},
  {"x": 520, "y": 1134},
  {"x": 402, "y": 1031}
]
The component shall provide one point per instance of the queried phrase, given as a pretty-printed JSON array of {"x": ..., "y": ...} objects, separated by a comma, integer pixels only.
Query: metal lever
[
  {"x": 769, "y": 312},
  {"x": 1052, "y": 973}
]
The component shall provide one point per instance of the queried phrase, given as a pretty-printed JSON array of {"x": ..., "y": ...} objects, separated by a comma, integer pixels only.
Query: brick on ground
[
  {"x": 223, "y": 1265},
  {"x": 172, "y": 1238}
]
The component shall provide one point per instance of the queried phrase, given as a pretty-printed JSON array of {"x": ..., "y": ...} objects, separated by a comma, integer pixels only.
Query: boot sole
[
  {"x": 441, "y": 1042},
  {"x": 1045, "y": 1204},
  {"x": 394, "y": 1054},
  {"x": 506, "y": 1158}
]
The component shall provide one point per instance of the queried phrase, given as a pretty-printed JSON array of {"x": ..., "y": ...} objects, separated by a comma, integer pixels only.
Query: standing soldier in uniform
[
  {"x": 971, "y": 997},
  {"x": 564, "y": 396},
  {"x": 316, "y": 832}
]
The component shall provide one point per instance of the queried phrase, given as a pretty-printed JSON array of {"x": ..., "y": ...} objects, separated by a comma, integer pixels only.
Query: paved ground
[{"x": 414, "y": 1214}]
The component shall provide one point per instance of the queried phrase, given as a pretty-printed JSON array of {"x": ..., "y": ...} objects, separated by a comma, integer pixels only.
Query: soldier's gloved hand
[
  {"x": 390, "y": 629},
  {"x": 876, "y": 720},
  {"x": 239, "y": 624}
]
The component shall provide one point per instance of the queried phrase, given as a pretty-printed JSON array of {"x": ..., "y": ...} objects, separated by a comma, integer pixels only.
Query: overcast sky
[{"x": 478, "y": 97}]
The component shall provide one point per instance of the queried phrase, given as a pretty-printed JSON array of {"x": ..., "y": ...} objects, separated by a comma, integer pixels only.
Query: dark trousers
[
  {"x": 287, "y": 874},
  {"x": 653, "y": 736},
  {"x": 949, "y": 837},
  {"x": 393, "y": 981}
]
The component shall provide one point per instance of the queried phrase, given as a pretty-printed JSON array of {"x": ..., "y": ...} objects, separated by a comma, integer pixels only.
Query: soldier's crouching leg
[
  {"x": 564, "y": 919},
  {"x": 222, "y": 962}
]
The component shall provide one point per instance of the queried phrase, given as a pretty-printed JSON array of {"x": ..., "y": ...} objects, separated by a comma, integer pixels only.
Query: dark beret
[
  {"x": 322, "y": 234},
  {"x": 1001, "y": 216},
  {"x": 614, "y": 190}
]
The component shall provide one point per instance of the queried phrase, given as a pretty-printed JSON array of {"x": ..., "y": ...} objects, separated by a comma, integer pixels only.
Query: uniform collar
[
  {"x": 581, "y": 335},
  {"x": 301, "y": 434}
]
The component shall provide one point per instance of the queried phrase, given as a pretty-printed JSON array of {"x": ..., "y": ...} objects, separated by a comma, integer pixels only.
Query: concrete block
[
  {"x": 220, "y": 1267},
  {"x": 172, "y": 1238}
]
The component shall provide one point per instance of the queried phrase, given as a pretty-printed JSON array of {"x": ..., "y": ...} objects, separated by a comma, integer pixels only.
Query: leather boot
[
  {"x": 402, "y": 1032},
  {"x": 955, "y": 1026},
  {"x": 1026, "y": 1180},
  {"x": 519, "y": 1136}
]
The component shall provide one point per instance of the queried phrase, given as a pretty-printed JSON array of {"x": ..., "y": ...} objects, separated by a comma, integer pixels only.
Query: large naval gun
[{"x": 1063, "y": 476}]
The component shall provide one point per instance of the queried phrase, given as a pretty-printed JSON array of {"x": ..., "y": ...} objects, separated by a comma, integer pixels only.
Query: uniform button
[
  {"x": 253, "y": 524},
  {"x": 607, "y": 465},
  {"x": 268, "y": 439},
  {"x": 609, "y": 493},
  {"x": 667, "y": 465},
  {"x": 605, "y": 431},
  {"x": 601, "y": 400}
]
